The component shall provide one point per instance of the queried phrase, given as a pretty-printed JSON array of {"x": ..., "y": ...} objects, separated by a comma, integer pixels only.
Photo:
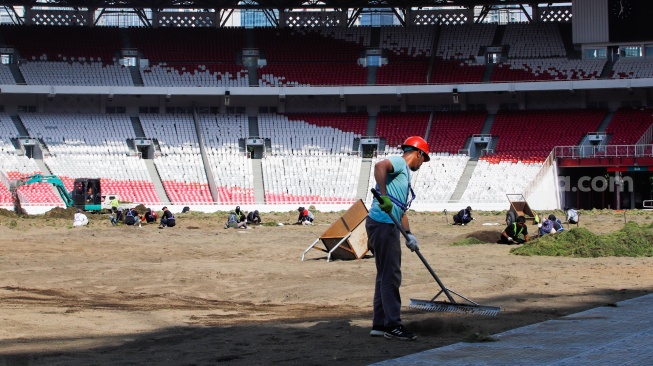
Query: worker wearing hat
[
  {"x": 392, "y": 177},
  {"x": 463, "y": 217},
  {"x": 167, "y": 218}
]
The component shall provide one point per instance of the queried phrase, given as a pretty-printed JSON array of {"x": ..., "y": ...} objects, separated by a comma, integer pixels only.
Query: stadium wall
[{"x": 546, "y": 195}]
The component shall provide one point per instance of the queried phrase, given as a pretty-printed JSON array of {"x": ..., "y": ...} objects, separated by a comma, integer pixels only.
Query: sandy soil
[{"x": 198, "y": 294}]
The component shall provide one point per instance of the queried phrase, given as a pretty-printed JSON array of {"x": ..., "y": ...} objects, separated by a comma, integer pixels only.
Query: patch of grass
[
  {"x": 467, "y": 241},
  {"x": 269, "y": 223},
  {"x": 630, "y": 241},
  {"x": 479, "y": 337},
  {"x": 13, "y": 224}
]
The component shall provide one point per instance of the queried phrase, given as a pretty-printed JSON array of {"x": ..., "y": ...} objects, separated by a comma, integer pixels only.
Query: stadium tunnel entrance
[{"x": 605, "y": 187}]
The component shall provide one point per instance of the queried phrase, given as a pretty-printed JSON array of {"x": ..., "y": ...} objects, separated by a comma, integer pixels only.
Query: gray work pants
[{"x": 384, "y": 239}]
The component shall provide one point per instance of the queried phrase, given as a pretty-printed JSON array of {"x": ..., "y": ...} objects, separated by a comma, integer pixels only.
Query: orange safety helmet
[{"x": 418, "y": 143}]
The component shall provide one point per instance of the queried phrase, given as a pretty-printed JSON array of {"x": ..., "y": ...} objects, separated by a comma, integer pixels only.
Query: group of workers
[
  {"x": 517, "y": 232},
  {"x": 131, "y": 217},
  {"x": 237, "y": 219}
]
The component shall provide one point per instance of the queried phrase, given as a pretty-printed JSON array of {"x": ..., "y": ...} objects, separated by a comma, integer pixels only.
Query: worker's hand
[
  {"x": 510, "y": 239},
  {"x": 385, "y": 204},
  {"x": 411, "y": 242}
]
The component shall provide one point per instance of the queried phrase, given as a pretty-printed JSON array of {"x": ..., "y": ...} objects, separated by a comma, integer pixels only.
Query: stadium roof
[{"x": 264, "y": 4}]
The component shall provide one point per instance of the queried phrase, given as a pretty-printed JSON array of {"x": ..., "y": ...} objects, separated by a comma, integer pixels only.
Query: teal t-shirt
[{"x": 397, "y": 187}]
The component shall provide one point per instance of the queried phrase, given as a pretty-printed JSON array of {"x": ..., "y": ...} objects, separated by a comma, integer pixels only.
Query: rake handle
[{"x": 376, "y": 195}]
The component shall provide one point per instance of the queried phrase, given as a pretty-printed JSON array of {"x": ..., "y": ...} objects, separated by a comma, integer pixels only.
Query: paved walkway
[{"x": 619, "y": 335}]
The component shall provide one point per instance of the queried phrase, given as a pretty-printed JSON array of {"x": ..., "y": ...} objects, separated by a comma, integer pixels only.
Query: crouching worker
[
  {"x": 167, "y": 218},
  {"x": 117, "y": 217},
  {"x": 572, "y": 215},
  {"x": 305, "y": 217},
  {"x": 551, "y": 225},
  {"x": 463, "y": 217},
  {"x": 512, "y": 232},
  {"x": 234, "y": 221},
  {"x": 131, "y": 217},
  {"x": 80, "y": 219},
  {"x": 253, "y": 218},
  {"x": 150, "y": 216}
]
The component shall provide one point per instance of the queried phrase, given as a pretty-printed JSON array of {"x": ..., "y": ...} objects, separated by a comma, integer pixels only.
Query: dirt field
[{"x": 198, "y": 294}]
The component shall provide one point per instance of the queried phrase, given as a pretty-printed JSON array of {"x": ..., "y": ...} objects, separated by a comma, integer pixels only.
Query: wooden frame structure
[{"x": 346, "y": 238}]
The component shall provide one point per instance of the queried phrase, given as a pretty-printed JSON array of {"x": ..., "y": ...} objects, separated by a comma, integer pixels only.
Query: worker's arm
[
  {"x": 405, "y": 224},
  {"x": 381, "y": 170},
  {"x": 526, "y": 237},
  {"x": 505, "y": 233}
]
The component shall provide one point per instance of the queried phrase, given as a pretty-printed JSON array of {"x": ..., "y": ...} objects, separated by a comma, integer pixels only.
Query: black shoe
[
  {"x": 401, "y": 333},
  {"x": 377, "y": 331}
]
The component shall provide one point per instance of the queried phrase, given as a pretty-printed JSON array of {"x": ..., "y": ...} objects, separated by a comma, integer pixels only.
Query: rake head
[{"x": 448, "y": 307}]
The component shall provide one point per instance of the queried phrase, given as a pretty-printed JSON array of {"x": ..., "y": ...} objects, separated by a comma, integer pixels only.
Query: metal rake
[{"x": 450, "y": 306}]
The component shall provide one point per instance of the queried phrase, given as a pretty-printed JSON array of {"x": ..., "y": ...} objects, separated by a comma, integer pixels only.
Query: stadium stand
[
  {"x": 84, "y": 58},
  {"x": 297, "y": 137},
  {"x": 304, "y": 57},
  {"x": 628, "y": 125},
  {"x": 96, "y": 145},
  {"x": 347, "y": 122},
  {"x": 492, "y": 180},
  {"x": 433, "y": 182},
  {"x": 408, "y": 51},
  {"x": 529, "y": 136},
  {"x": 450, "y": 130},
  {"x": 298, "y": 179},
  {"x": 632, "y": 68},
  {"x": 191, "y": 56},
  {"x": 301, "y": 152},
  {"x": 180, "y": 163},
  {"x": 464, "y": 41},
  {"x": 93, "y": 146},
  {"x": 520, "y": 69},
  {"x": 457, "y": 49},
  {"x": 14, "y": 166},
  {"x": 395, "y": 127},
  {"x": 534, "y": 40},
  {"x": 232, "y": 170}
]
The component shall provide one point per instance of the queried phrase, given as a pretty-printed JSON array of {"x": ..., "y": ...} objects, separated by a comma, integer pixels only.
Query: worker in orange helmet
[{"x": 392, "y": 177}]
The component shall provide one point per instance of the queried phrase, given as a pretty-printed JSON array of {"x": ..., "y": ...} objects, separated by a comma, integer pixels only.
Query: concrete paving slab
[{"x": 607, "y": 335}]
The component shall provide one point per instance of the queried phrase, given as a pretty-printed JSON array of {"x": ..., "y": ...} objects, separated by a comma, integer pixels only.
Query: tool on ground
[
  {"x": 446, "y": 216},
  {"x": 441, "y": 306}
]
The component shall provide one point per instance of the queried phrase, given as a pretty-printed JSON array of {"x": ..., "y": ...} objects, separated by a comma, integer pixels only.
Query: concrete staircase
[
  {"x": 259, "y": 189},
  {"x": 252, "y": 126},
  {"x": 42, "y": 166},
  {"x": 607, "y": 69},
  {"x": 434, "y": 46},
  {"x": 487, "y": 125},
  {"x": 364, "y": 179},
  {"x": 213, "y": 188},
  {"x": 18, "y": 76},
  {"x": 464, "y": 181},
  {"x": 135, "y": 73},
  {"x": 371, "y": 75},
  {"x": 487, "y": 75},
  {"x": 156, "y": 179},
  {"x": 605, "y": 122},
  {"x": 22, "y": 131},
  {"x": 138, "y": 127}
]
